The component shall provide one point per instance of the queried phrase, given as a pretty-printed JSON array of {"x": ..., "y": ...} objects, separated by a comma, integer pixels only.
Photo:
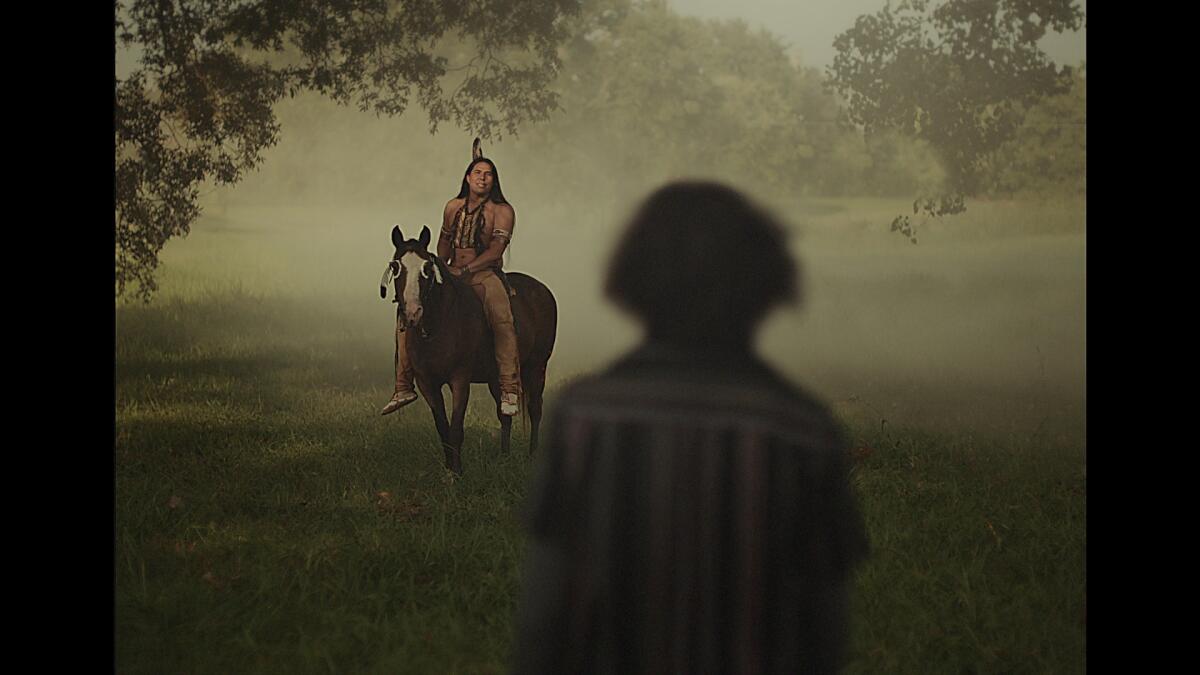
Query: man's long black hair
[{"x": 496, "y": 195}]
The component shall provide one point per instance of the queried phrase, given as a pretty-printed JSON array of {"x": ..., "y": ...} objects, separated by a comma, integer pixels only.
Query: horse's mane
[
  {"x": 444, "y": 269},
  {"x": 458, "y": 284}
]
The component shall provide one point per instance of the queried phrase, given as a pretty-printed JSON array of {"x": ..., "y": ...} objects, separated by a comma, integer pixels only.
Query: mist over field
[{"x": 982, "y": 322}]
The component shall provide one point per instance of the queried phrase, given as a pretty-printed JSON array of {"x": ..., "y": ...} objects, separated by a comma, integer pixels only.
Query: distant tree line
[
  {"x": 1046, "y": 156},
  {"x": 937, "y": 101},
  {"x": 645, "y": 92},
  {"x": 960, "y": 75}
]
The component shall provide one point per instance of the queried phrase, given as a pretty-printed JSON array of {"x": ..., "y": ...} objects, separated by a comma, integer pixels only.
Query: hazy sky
[{"x": 809, "y": 26}]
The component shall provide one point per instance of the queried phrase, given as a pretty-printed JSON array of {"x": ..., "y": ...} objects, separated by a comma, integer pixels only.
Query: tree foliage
[
  {"x": 198, "y": 106},
  {"x": 645, "y": 95},
  {"x": 959, "y": 75},
  {"x": 684, "y": 96},
  {"x": 1048, "y": 152}
]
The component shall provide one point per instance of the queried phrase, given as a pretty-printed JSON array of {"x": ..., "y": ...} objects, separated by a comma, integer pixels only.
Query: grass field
[{"x": 268, "y": 520}]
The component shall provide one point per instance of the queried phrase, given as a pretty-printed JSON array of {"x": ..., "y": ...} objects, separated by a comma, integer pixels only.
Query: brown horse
[{"x": 449, "y": 341}]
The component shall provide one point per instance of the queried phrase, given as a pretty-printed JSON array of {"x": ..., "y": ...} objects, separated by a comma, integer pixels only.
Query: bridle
[{"x": 389, "y": 275}]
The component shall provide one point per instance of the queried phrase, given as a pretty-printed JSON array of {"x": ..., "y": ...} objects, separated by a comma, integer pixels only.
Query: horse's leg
[
  {"x": 505, "y": 420},
  {"x": 433, "y": 396},
  {"x": 535, "y": 386},
  {"x": 460, "y": 388}
]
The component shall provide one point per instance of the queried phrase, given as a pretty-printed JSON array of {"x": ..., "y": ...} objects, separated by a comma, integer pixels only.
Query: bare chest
[{"x": 472, "y": 228}]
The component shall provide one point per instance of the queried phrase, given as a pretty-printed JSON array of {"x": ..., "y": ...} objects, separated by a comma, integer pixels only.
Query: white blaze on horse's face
[
  {"x": 414, "y": 268},
  {"x": 411, "y": 266}
]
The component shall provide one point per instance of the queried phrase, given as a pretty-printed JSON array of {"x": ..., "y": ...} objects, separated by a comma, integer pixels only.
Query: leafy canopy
[
  {"x": 1047, "y": 154},
  {"x": 959, "y": 75},
  {"x": 198, "y": 106},
  {"x": 685, "y": 96}
]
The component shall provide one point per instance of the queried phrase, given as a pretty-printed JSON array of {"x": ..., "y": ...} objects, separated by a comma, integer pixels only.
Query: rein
[{"x": 443, "y": 307}]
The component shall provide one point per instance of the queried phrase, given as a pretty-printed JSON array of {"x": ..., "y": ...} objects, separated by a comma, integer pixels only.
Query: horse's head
[{"x": 416, "y": 274}]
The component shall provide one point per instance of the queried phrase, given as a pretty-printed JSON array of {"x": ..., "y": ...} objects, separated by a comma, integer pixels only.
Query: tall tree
[
  {"x": 684, "y": 96},
  {"x": 1047, "y": 155},
  {"x": 198, "y": 106},
  {"x": 959, "y": 75}
]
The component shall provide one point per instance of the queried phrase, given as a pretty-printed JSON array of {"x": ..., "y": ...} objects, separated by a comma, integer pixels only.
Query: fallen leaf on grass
[
  {"x": 993, "y": 531},
  {"x": 404, "y": 510},
  {"x": 221, "y": 582},
  {"x": 861, "y": 452},
  {"x": 174, "y": 502}
]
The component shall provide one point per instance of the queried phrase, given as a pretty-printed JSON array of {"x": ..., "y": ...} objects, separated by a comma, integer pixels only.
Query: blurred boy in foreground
[{"x": 692, "y": 511}]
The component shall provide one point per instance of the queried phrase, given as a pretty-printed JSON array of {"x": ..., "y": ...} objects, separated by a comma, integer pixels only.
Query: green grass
[
  {"x": 978, "y": 556},
  {"x": 269, "y": 520},
  {"x": 252, "y": 534}
]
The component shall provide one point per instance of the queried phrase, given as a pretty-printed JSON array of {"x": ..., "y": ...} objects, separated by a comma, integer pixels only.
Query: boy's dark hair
[{"x": 700, "y": 264}]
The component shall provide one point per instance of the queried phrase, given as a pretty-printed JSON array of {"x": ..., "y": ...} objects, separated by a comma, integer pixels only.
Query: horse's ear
[
  {"x": 423, "y": 240},
  {"x": 476, "y": 151},
  {"x": 397, "y": 238}
]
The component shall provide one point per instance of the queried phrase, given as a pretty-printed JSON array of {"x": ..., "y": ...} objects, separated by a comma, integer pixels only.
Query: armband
[{"x": 503, "y": 234}]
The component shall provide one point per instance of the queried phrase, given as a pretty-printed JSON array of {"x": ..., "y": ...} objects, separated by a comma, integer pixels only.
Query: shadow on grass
[
  {"x": 235, "y": 344},
  {"x": 250, "y": 366},
  {"x": 352, "y": 545},
  {"x": 233, "y": 317}
]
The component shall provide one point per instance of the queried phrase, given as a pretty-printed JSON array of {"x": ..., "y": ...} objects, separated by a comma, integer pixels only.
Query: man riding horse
[{"x": 477, "y": 226}]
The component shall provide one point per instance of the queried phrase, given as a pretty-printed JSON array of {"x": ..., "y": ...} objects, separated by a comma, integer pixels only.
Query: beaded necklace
[{"x": 468, "y": 225}]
